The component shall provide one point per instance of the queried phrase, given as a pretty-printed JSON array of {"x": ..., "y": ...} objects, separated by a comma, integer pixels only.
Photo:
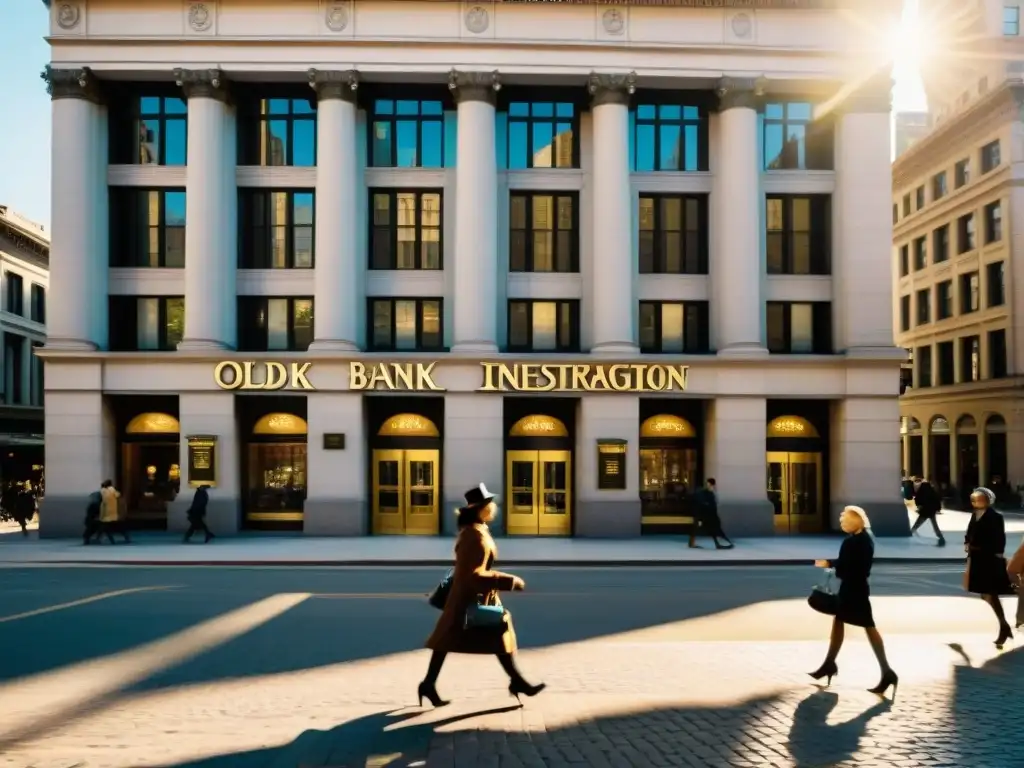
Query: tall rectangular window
[
  {"x": 995, "y": 284},
  {"x": 669, "y": 137},
  {"x": 38, "y": 386},
  {"x": 271, "y": 324},
  {"x": 924, "y": 306},
  {"x": 905, "y": 313},
  {"x": 146, "y": 323},
  {"x": 275, "y": 229},
  {"x": 407, "y": 133},
  {"x": 940, "y": 244},
  {"x": 147, "y": 227},
  {"x": 965, "y": 233},
  {"x": 405, "y": 229},
  {"x": 962, "y": 173},
  {"x": 542, "y": 134},
  {"x": 990, "y": 156},
  {"x": 970, "y": 293},
  {"x": 939, "y": 188},
  {"x": 14, "y": 301},
  {"x": 1011, "y": 20},
  {"x": 904, "y": 260},
  {"x": 673, "y": 234},
  {"x": 277, "y": 131},
  {"x": 919, "y": 197},
  {"x": 798, "y": 237},
  {"x": 674, "y": 327},
  {"x": 150, "y": 129},
  {"x": 37, "y": 296},
  {"x": 906, "y": 205},
  {"x": 405, "y": 325},
  {"x": 543, "y": 232},
  {"x": 923, "y": 364},
  {"x": 944, "y": 300},
  {"x": 799, "y": 328},
  {"x": 970, "y": 359},
  {"x": 946, "y": 365},
  {"x": 993, "y": 222},
  {"x": 543, "y": 326},
  {"x": 920, "y": 253},
  {"x": 794, "y": 140},
  {"x": 997, "y": 363}
]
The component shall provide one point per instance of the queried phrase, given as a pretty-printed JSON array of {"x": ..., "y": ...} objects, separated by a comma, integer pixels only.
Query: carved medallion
[
  {"x": 199, "y": 17},
  {"x": 336, "y": 17},
  {"x": 477, "y": 19},
  {"x": 68, "y": 16},
  {"x": 614, "y": 21},
  {"x": 742, "y": 25}
]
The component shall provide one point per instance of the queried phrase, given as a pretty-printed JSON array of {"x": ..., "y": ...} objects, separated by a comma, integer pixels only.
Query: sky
[{"x": 25, "y": 128}]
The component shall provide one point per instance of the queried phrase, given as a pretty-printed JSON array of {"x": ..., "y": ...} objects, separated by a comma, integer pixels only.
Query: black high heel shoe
[
  {"x": 889, "y": 678},
  {"x": 828, "y": 669},
  {"x": 522, "y": 688},
  {"x": 1004, "y": 635},
  {"x": 429, "y": 692}
]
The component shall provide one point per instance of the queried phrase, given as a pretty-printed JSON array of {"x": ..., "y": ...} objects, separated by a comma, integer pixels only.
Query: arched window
[
  {"x": 939, "y": 426},
  {"x": 966, "y": 424}
]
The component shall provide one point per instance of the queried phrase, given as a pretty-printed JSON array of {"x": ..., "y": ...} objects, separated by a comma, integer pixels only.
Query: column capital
[
  {"x": 202, "y": 84},
  {"x": 742, "y": 92},
  {"x": 611, "y": 88},
  {"x": 72, "y": 84},
  {"x": 474, "y": 86},
  {"x": 334, "y": 84},
  {"x": 873, "y": 95}
]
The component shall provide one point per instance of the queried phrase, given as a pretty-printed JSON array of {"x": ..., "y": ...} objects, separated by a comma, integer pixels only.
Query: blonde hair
[{"x": 859, "y": 511}]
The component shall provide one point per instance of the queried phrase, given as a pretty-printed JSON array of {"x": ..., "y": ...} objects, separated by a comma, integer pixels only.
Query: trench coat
[
  {"x": 109, "y": 505},
  {"x": 986, "y": 565},
  {"x": 473, "y": 581}
]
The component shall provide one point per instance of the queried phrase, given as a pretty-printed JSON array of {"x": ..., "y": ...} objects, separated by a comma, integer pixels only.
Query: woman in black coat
[
  {"x": 985, "y": 544},
  {"x": 853, "y": 568}
]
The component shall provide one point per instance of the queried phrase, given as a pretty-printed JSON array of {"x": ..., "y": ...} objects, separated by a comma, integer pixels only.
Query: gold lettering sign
[
  {"x": 251, "y": 375},
  {"x": 407, "y": 377},
  {"x": 583, "y": 377}
]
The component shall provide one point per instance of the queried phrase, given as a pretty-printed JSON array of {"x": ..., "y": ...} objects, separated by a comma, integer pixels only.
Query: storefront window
[
  {"x": 277, "y": 477},
  {"x": 668, "y": 476}
]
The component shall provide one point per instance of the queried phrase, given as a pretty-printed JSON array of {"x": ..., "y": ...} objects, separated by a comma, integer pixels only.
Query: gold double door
[
  {"x": 406, "y": 499},
  {"x": 795, "y": 490},
  {"x": 539, "y": 499}
]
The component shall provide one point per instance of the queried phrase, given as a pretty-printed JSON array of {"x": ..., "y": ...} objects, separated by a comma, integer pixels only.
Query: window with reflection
[
  {"x": 277, "y": 476},
  {"x": 923, "y": 299},
  {"x": 990, "y": 156},
  {"x": 405, "y": 229},
  {"x": 274, "y": 324},
  {"x": 962, "y": 173},
  {"x": 147, "y": 227},
  {"x": 965, "y": 233},
  {"x": 673, "y": 234},
  {"x": 543, "y": 232},
  {"x": 944, "y": 300},
  {"x": 970, "y": 359},
  {"x": 795, "y": 140},
  {"x": 669, "y": 137},
  {"x": 799, "y": 328},
  {"x": 668, "y": 477},
  {"x": 674, "y": 327},
  {"x": 542, "y": 134},
  {"x": 543, "y": 326},
  {"x": 405, "y": 325},
  {"x": 277, "y": 131},
  {"x": 940, "y": 244},
  {"x": 148, "y": 128},
  {"x": 920, "y": 253},
  {"x": 970, "y": 293},
  {"x": 993, "y": 222},
  {"x": 939, "y": 187},
  {"x": 407, "y": 133},
  {"x": 146, "y": 323},
  {"x": 798, "y": 234},
  {"x": 275, "y": 229}
]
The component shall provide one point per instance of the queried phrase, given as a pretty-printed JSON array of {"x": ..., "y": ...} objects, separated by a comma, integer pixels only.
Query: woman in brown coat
[{"x": 474, "y": 583}]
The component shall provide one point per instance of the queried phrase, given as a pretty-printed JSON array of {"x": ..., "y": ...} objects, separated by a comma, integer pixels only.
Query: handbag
[
  {"x": 439, "y": 597},
  {"x": 823, "y": 599},
  {"x": 482, "y": 616}
]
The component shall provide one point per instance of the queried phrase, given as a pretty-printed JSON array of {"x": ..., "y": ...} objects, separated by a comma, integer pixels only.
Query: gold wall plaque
[
  {"x": 250, "y": 375},
  {"x": 202, "y": 460},
  {"x": 153, "y": 423},
  {"x": 406, "y": 377},
  {"x": 791, "y": 426},
  {"x": 666, "y": 425},
  {"x": 583, "y": 377}
]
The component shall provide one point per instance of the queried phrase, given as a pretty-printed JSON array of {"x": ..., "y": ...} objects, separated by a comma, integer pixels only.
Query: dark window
[
  {"x": 407, "y": 134},
  {"x": 147, "y": 227},
  {"x": 543, "y": 326},
  {"x": 13, "y": 368},
  {"x": 895, "y": 213},
  {"x": 543, "y": 232},
  {"x": 274, "y": 324},
  {"x": 920, "y": 254},
  {"x": 1011, "y": 20},
  {"x": 904, "y": 313},
  {"x": 276, "y": 229},
  {"x": 904, "y": 260},
  {"x": 405, "y": 325},
  {"x": 799, "y": 328},
  {"x": 990, "y": 156},
  {"x": 405, "y": 231},
  {"x": 970, "y": 293},
  {"x": 940, "y": 244},
  {"x": 15, "y": 299},
  {"x": 673, "y": 235},
  {"x": 674, "y": 327},
  {"x": 36, "y": 373},
  {"x": 923, "y": 361},
  {"x": 794, "y": 140},
  {"x": 962, "y": 173},
  {"x": 924, "y": 306},
  {"x": 944, "y": 300},
  {"x": 277, "y": 131},
  {"x": 995, "y": 284},
  {"x": 149, "y": 130},
  {"x": 38, "y": 298},
  {"x": 939, "y": 188},
  {"x": 542, "y": 134},
  {"x": 993, "y": 223},
  {"x": 997, "y": 366},
  {"x": 906, "y": 205},
  {"x": 970, "y": 359},
  {"x": 919, "y": 197},
  {"x": 146, "y": 323},
  {"x": 798, "y": 236},
  {"x": 965, "y": 233},
  {"x": 947, "y": 369},
  {"x": 669, "y": 137}
]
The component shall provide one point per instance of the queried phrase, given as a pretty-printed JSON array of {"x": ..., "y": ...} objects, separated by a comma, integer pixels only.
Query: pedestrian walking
[
  {"x": 24, "y": 507},
  {"x": 987, "y": 570},
  {"x": 929, "y": 504},
  {"x": 706, "y": 512},
  {"x": 1015, "y": 569},
  {"x": 197, "y": 515},
  {"x": 853, "y": 603},
  {"x": 92, "y": 518},
  {"x": 473, "y": 619},
  {"x": 907, "y": 489},
  {"x": 110, "y": 512}
]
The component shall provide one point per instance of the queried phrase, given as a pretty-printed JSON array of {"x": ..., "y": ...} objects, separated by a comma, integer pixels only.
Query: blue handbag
[{"x": 485, "y": 617}]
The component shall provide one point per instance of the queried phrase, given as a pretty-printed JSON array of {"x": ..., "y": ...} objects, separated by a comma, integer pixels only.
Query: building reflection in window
[
  {"x": 668, "y": 476},
  {"x": 277, "y": 477}
]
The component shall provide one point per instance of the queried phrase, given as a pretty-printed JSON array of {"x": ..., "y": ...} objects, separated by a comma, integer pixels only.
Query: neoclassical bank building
[{"x": 342, "y": 261}]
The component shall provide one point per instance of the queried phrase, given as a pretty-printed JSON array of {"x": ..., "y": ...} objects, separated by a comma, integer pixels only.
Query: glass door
[
  {"x": 422, "y": 506},
  {"x": 555, "y": 493},
  {"x": 795, "y": 491},
  {"x": 388, "y": 494},
  {"x": 522, "y": 506},
  {"x": 778, "y": 464}
]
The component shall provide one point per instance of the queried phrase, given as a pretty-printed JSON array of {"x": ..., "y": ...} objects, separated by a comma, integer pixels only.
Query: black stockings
[
  {"x": 507, "y": 661},
  {"x": 835, "y": 643},
  {"x": 997, "y": 608}
]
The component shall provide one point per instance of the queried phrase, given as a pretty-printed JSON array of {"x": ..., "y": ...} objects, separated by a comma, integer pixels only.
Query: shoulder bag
[
  {"x": 439, "y": 597},
  {"x": 491, "y": 617},
  {"x": 823, "y": 598}
]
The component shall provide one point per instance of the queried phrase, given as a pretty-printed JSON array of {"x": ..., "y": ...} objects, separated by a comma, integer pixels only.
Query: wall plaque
[
  {"x": 334, "y": 441},
  {"x": 202, "y": 460},
  {"x": 611, "y": 465}
]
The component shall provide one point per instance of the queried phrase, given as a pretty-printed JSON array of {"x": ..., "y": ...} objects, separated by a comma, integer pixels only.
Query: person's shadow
[{"x": 813, "y": 742}]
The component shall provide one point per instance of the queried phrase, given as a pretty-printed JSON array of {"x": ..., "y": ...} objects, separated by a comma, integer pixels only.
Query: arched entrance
[
  {"x": 939, "y": 453},
  {"x": 276, "y": 461},
  {"x": 670, "y": 473},
  {"x": 794, "y": 459},
  {"x": 406, "y": 462},
  {"x": 150, "y": 469},
  {"x": 538, "y": 473},
  {"x": 968, "y": 472}
]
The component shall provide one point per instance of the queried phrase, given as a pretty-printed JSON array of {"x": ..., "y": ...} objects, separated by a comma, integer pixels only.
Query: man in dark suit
[
  {"x": 706, "y": 515},
  {"x": 928, "y": 504},
  {"x": 197, "y": 514}
]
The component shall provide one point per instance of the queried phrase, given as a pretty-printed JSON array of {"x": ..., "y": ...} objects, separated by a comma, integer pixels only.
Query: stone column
[
  {"x": 606, "y": 513},
  {"x": 474, "y": 452},
  {"x": 210, "y": 214},
  {"x": 476, "y": 214},
  {"x": 737, "y": 268},
  {"x": 76, "y": 315},
  {"x": 735, "y": 457},
  {"x": 614, "y": 310},
  {"x": 337, "y": 488},
  {"x": 340, "y": 267}
]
